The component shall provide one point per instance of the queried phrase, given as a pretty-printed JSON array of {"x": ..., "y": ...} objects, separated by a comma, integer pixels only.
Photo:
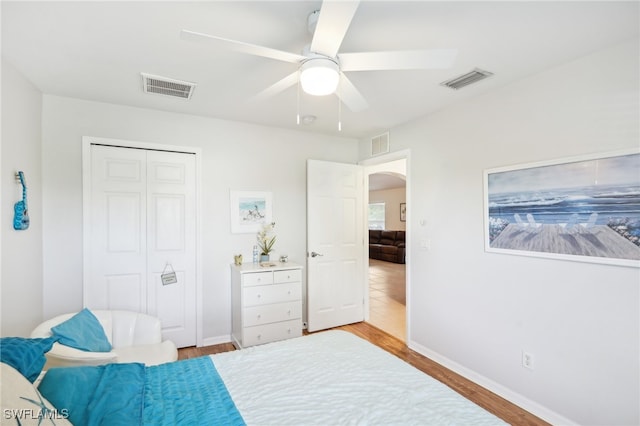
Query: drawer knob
[
  {"x": 289, "y": 312},
  {"x": 259, "y": 296},
  {"x": 259, "y": 316},
  {"x": 259, "y": 336},
  {"x": 289, "y": 330}
]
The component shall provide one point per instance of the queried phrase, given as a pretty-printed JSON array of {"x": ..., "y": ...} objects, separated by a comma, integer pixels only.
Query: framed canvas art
[{"x": 585, "y": 208}]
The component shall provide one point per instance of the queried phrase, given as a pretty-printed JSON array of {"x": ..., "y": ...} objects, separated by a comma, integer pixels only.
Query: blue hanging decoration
[{"x": 21, "y": 211}]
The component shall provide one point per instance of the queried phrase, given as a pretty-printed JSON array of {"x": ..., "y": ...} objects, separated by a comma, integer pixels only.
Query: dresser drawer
[
  {"x": 271, "y": 332},
  {"x": 276, "y": 293},
  {"x": 265, "y": 314},
  {"x": 287, "y": 276},
  {"x": 257, "y": 278}
]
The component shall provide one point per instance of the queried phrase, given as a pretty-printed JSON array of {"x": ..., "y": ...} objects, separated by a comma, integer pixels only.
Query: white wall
[
  {"x": 235, "y": 156},
  {"x": 21, "y": 279},
  {"x": 391, "y": 199},
  {"x": 477, "y": 311}
]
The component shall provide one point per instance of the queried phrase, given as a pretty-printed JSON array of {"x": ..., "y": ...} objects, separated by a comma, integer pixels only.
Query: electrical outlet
[{"x": 527, "y": 360}]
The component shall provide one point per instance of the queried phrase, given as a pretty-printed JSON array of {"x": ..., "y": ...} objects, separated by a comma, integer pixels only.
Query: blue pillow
[
  {"x": 26, "y": 355},
  {"x": 82, "y": 331}
]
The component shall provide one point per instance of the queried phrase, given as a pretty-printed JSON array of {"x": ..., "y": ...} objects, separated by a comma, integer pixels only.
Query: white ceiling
[
  {"x": 380, "y": 181},
  {"x": 97, "y": 50}
]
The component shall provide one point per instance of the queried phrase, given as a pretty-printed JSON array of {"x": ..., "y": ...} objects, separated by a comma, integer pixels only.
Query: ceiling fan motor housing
[{"x": 319, "y": 75}]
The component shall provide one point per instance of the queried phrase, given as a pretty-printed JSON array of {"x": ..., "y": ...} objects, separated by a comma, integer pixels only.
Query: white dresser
[{"x": 266, "y": 303}]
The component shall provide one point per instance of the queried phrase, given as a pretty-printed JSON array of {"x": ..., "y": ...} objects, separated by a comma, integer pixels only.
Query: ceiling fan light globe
[{"x": 319, "y": 77}]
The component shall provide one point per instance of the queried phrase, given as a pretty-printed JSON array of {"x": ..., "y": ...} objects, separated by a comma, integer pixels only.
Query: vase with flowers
[{"x": 266, "y": 239}]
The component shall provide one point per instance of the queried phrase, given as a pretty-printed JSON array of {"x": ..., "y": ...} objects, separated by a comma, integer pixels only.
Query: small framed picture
[
  {"x": 403, "y": 212},
  {"x": 249, "y": 210}
]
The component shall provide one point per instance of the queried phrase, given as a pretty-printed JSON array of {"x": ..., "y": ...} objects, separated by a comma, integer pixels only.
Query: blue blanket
[{"x": 185, "y": 392}]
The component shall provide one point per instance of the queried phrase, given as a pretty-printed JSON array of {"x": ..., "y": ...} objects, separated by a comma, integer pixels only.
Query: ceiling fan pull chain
[
  {"x": 339, "y": 109},
  {"x": 298, "y": 101}
]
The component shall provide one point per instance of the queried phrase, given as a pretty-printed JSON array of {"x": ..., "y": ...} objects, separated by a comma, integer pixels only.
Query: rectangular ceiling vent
[
  {"x": 380, "y": 144},
  {"x": 466, "y": 79},
  {"x": 167, "y": 86}
]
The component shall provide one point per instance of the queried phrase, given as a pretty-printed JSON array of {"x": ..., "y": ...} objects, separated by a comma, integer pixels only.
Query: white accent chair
[{"x": 134, "y": 337}]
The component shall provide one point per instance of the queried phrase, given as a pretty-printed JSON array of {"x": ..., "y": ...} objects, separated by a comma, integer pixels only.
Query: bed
[{"x": 326, "y": 378}]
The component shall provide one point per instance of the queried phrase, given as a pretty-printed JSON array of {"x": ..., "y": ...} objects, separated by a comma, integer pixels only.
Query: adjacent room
[
  {"x": 272, "y": 199},
  {"x": 387, "y": 259}
]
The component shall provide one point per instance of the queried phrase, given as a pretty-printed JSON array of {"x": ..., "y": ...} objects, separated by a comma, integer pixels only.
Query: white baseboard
[
  {"x": 531, "y": 406},
  {"x": 209, "y": 341}
]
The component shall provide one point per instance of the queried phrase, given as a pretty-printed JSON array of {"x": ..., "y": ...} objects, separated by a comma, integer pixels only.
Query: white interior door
[
  {"x": 335, "y": 244},
  {"x": 142, "y": 221},
  {"x": 115, "y": 268},
  {"x": 171, "y": 244}
]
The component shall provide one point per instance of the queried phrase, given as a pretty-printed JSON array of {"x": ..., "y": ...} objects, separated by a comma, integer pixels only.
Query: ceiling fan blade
[
  {"x": 398, "y": 60},
  {"x": 277, "y": 87},
  {"x": 240, "y": 46},
  {"x": 335, "y": 18},
  {"x": 350, "y": 96}
]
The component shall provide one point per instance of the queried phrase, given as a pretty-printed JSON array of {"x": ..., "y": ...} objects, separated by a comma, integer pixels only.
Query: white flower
[{"x": 266, "y": 238}]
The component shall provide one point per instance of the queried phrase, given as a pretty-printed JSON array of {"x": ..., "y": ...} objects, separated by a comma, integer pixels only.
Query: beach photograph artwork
[
  {"x": 588, "y": 209},
  {"x": 252, "y": 210},
  {"x": 249, "y": 210}
]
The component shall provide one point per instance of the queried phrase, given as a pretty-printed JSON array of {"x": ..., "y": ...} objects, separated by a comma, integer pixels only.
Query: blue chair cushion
[{"x": 82, "y": 331}]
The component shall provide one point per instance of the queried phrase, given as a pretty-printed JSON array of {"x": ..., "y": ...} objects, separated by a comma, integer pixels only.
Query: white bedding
[{"x": 335, "y": 377}]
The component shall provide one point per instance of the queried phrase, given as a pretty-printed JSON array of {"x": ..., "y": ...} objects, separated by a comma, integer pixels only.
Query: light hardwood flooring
[
  {"x": 387, "y": 297},
  {"x": 491, "y": 402}
]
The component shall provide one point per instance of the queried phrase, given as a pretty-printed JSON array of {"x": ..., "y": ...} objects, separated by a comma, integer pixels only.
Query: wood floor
[
  {"x": 387, "y": 297},
  {"x": 493, "y": 403}
]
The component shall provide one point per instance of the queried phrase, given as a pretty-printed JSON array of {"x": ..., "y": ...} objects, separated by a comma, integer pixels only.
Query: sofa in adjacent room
[{"x": 387, "y": 245}]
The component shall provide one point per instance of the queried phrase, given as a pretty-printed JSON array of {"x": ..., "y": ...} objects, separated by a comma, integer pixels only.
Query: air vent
[
  {"x": 167, "y": 86},
  {"x": 380, "y": 144},
  {"x": 466, "y": 79}
]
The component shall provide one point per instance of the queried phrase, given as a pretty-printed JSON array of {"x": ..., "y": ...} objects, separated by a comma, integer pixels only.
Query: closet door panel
[
  {"x": 123, "y": 222},
  {"x": 116, "y": 263},
  {"x": 168, "y": 222},
  {"x": 121, "y": 288},
  {"x": 171, "y": 244}
]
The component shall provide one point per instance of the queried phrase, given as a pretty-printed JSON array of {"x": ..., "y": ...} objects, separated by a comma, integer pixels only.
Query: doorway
[{"x": 387, "y": 198}]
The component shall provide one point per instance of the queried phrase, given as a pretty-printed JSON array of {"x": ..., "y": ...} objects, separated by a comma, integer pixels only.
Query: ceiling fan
[{"x": 320, "y": 68}]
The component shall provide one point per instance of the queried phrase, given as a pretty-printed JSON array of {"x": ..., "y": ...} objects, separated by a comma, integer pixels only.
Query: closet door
[
  {"x": 116, "y": 265},
  {"x": 171, "y": 243},
  {"x": 142, "y": 222}
]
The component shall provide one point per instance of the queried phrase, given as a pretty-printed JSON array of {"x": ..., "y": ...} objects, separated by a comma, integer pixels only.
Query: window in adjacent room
[{"x": 376, "y": 216}]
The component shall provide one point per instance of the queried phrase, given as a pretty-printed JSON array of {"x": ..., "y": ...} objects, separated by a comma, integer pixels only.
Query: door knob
[{"x": 314, "y": 254}]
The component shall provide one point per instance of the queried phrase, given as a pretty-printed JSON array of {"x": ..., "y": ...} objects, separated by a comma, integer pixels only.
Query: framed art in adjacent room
[
  {"x": 403, "y": 212},
  {"x": 583, "y": 208},
  {"x": 249, "y": 210}
]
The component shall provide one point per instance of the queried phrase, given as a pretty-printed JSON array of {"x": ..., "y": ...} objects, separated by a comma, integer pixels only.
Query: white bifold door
[{"x": 140, "y": 223}]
